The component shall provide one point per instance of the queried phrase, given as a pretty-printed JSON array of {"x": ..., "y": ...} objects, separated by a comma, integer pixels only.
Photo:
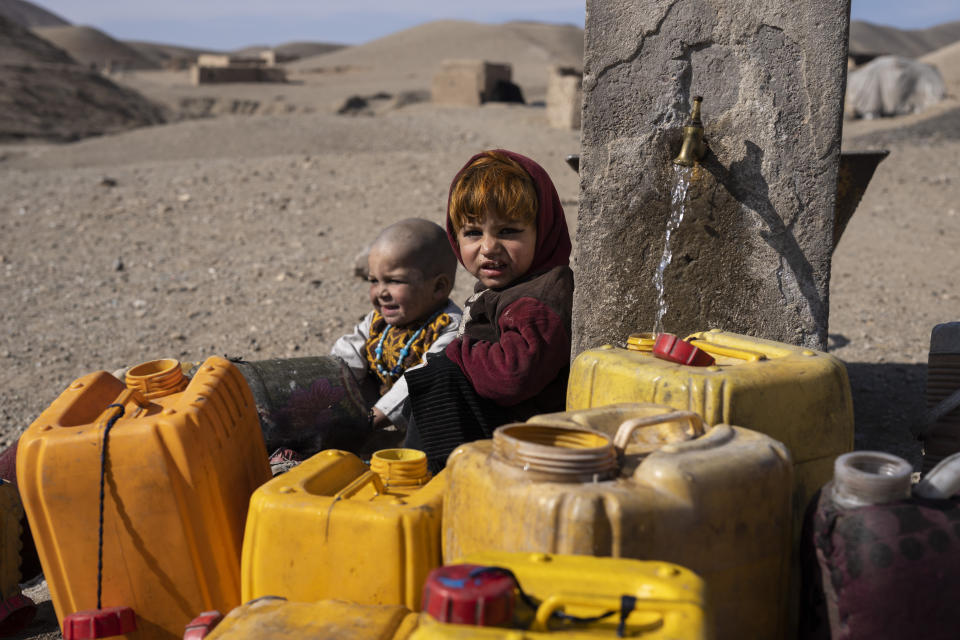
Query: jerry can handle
[
  {"x": 715, "y": 349},
  {"x": 367, "y": 477},
  {"x": 627, "y": 428},
  {"x": 941, "y": 482},
  {"x": 606, "y": 604}
]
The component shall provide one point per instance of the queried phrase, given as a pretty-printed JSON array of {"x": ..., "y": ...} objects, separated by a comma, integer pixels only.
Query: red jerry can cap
[
  {"x": 670, "y": 347},
  {"x": 203, "y": 624},
  {"x": 99, "y": 623},
  {"x": 470, "y": 594}
]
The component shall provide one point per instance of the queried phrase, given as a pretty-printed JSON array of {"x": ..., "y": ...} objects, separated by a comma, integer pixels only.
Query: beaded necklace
[{"x": 398, "y": 368}]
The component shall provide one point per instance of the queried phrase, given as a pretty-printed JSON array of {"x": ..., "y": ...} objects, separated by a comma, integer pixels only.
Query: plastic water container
[
  {"x": 272, "y": 618},
  {"x": 572, "y": 596},
  {"x": 942, "y": 437},
  {"x": 716, "y": 502},
  {"x": 334, "y": 527},
  {"x": 310, "y": 404},
  {"x": 881, "y": 558},
  {"x": 798, "y": 396},
  {"x": 183, "y": 457}
]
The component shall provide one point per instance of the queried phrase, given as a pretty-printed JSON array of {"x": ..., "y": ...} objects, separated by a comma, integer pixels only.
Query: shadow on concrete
[
  {"x": 888, "y": 401},
  {"x": 744, "y": 180}
]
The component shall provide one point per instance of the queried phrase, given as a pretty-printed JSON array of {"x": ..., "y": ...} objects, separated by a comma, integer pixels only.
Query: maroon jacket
[{"x": 515, "y": 343}]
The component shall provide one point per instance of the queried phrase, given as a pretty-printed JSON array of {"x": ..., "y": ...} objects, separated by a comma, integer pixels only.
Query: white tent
[{"x": 892, "y": 86}]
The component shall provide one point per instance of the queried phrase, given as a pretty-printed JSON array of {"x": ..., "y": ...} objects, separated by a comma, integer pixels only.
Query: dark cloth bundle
[
  {"x": 448, "y": 412},
  {"x": 881, "y": 571}
]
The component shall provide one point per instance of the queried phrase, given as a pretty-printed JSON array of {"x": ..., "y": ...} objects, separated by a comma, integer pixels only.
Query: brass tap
[{"x": 694, "y": 146}]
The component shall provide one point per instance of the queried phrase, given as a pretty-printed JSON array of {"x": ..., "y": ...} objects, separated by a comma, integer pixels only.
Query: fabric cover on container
[
  {"x": 881, "y": 571},
  {"x": 893, "y": 86}
]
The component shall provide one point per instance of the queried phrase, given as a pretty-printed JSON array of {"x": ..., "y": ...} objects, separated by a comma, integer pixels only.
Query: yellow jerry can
[
  {"x": 716, "y": 502},
  {"x": 799, "y": 396},
  {"x": 572, "y": 596},
  {"x": 272, "y": 618},
  {"x": 183, "y": 457},
  {"x": 333, "y": 527}
]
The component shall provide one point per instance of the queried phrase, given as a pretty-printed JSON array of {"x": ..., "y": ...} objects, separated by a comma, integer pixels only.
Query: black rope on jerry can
[{"x": 103, "y": 469}]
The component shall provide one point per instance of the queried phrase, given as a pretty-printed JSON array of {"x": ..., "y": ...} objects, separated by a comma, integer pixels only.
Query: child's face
[
  {"x": 399, "y": 291},
  {"x": 497, "y": 250}
]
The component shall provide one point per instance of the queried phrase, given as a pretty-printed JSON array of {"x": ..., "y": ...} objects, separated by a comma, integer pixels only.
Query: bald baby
[
  {"x": 421, "y": 243},
  {"x": 411, "y": 271}
]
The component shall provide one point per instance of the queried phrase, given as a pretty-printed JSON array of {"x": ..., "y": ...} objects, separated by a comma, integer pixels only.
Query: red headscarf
[{"x": 553, "y": 239}]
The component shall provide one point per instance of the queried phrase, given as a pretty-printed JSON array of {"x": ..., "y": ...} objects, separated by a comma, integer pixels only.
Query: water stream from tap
[{"x": 678, "y": 202}]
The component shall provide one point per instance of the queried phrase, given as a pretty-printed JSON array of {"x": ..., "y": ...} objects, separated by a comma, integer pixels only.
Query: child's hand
[{"x": 380, "y": 419}]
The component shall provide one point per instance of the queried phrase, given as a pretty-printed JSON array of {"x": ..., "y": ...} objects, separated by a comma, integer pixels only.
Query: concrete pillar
[{"x": 752, "y": 254}]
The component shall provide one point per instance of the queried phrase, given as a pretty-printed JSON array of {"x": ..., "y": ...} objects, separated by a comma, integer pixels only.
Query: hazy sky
[{"x": 231, "y": 24}]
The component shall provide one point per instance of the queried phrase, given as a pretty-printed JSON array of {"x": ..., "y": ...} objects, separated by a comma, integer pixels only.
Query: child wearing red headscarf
[{"x": 510, "y": 360}]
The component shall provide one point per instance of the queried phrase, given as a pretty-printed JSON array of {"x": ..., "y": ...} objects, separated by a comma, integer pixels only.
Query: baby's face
[
  {"x": 497, "y": 250},
  {"x": 398, "y": 290}
]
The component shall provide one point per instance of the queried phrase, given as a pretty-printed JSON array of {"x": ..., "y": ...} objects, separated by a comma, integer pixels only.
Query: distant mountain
[
  {"x": 29, "y": 15},
  {"x": 167, "y": 55},
  {"x": 176, "y": 56},
  {"x": 868, "y": 38},
  {"x": 292, "y": 50},
  {"x": 426, "y": 45},
  {"x": 90, "y": 46},
  {"x": 416, "y": 53},
  {"x": 307, "y": 49},
  {"x": 19, "y": 46}
]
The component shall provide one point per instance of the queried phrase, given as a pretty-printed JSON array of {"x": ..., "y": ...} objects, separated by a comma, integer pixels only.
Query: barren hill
[
  {"x": 416, "y": 53},
  {"x": 947, "y": 60},
  {"x": 430, "y": 42},
  {"x": 29, "y": 15},
  {"x": 18, "y": 46},
  {"x": 293, "y": 49},
  {"x": 165, "y": 54},
  {"x": 307, "y": 49},
  {"x": 90, "y": 46},
  {"x": 866, "y": 37},
  {"x": 45, "y": 94}
]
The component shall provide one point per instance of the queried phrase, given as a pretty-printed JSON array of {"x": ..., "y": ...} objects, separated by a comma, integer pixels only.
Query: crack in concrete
[
  {"x": 779, "y": 275},
  {"x": 686, "y": 76},
  {"x": 639, "y": 49}
]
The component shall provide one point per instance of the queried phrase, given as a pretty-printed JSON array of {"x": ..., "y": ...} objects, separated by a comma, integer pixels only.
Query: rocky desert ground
[{"x": 235, "y": 233}]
